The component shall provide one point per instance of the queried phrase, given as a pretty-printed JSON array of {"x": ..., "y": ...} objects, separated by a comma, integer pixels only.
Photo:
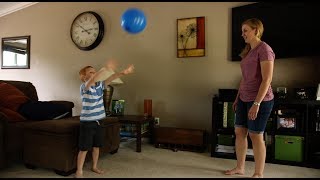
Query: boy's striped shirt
[{"x": 92, "y": 102}]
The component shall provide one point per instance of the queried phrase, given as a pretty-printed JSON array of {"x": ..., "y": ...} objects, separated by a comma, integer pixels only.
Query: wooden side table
[{"x": 138, "y": 120}]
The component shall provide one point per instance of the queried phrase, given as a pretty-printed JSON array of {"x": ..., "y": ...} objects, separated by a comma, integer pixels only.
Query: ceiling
[{"x": 10, "y": 7}]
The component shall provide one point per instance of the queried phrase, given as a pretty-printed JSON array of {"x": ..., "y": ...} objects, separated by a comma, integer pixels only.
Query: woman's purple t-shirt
[{"x": 251, "y": 72}]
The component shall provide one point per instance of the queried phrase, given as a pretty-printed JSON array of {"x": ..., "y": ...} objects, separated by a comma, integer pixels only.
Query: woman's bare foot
[
  {"x": 234, "y": 171},
  {"x": 78, "y": 174},
  {"x": 96, "y": 170},
  {"x": 255, "y": 175}
]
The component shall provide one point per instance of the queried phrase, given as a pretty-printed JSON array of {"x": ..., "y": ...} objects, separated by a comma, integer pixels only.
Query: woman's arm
[
  {"x": 234, "y": 105},
  {"x": 267, "y": 73},
  {"x": 238, "y": 94}
]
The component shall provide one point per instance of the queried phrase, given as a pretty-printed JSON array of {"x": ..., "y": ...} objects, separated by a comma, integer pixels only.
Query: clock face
[{"x": 87, "y": 30}]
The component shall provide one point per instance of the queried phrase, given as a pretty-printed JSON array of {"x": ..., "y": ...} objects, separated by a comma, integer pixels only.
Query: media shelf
[
  {"x": 230, "y": 156},
  {"x": 129, "y": 130},
  {"x": 302, "y": 138},
  {"x": 290, "y": 134},
  {"x": 131, "y": 134},
  {"x": 225, "y": 155},
  {"x": 225, "y": 131}
]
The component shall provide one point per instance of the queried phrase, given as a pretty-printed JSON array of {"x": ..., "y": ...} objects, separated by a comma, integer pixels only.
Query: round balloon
[{"x": 133, "y": 21}]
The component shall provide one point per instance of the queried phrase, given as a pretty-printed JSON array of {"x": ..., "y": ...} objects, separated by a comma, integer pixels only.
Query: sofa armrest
[
  {"x": 3, "y": 121},
  {"x": 3, "y": 139},
  {"x": 4, "y": 125},
  {"x": 68, "y": 104}
]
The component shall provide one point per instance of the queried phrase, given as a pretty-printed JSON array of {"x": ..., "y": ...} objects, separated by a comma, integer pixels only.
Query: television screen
[{"x": 290, "y": 28}]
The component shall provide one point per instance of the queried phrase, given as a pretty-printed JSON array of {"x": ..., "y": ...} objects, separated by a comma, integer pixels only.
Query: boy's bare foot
[
  {"x": 78, "y": 174},
  {"x": 96, "y": 170},
  {"x": 255, "y": 175},
  {"x": 234, "y": 171}
]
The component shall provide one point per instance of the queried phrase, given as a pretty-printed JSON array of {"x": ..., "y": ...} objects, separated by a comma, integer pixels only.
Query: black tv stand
[{"x": 305, "y": 129}]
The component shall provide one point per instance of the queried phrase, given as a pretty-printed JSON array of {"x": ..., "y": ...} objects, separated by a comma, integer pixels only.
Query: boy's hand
[
  {"x": 111, "y": 64},
  {"x": 129, "y": 69}
]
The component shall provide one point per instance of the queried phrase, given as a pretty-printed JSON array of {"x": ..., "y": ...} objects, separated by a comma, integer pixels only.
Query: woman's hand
[
  {"x": 234, "y": 105},
  {"x": 253, "y": 112}
]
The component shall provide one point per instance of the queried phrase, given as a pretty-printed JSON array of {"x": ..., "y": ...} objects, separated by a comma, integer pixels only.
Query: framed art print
[{"x": 191, "y": 37}]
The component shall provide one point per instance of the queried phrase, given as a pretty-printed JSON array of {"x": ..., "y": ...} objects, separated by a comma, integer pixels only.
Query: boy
[{"x": 93, "y": 111}]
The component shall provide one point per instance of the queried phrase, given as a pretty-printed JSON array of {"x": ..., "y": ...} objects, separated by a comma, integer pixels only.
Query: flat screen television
[{"x": 290, "y": 28}]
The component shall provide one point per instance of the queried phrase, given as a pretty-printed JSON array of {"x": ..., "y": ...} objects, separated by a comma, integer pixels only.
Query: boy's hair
[{"x": 82, "y": 72}]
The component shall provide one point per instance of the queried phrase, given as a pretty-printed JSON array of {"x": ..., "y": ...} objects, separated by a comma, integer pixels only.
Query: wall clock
[{"x": 87, "y": 30}]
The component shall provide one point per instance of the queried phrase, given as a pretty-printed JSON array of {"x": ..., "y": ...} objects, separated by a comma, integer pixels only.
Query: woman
[{"x": 254, "y": 101}]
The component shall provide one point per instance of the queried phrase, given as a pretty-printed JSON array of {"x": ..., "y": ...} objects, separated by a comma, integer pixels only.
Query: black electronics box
[
  {"x": 228, "y": 95},
  {"x": 308, "y": 93}
]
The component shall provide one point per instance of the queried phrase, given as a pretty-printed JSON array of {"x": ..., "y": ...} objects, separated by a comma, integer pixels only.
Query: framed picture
[
  {"x": 191, "y": 37},
  {"x": 118, "y": 107},
  {"x": 286, "y": 122},
  {"x": 318, "y": 93}
]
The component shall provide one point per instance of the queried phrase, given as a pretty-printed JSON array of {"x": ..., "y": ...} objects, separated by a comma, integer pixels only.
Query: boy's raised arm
[
  {"x": 114, "y": 76},
  {"x": 99, "y": 76}
]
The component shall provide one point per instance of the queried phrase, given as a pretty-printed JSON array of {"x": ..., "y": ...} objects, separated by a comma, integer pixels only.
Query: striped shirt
[{"x": 92, "y": 102}]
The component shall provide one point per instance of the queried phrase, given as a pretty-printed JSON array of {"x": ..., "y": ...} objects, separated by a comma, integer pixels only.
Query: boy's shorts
[
  {"x": 259, "y": 124},
  {"x": 90, "y": 135}
]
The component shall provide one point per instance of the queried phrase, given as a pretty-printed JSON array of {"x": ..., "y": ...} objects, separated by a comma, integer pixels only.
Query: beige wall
[{"x": 181, "y": 89}]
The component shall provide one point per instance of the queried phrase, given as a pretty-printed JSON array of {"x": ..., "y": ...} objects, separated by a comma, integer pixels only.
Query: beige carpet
[{"x": 162, "y": 163}]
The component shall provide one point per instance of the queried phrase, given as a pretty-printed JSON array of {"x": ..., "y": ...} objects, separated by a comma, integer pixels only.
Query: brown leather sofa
[
  {"x": 11, "y": 133},
  {"x": 57, "y": 143},
  {"x": 48, "y": 143}
]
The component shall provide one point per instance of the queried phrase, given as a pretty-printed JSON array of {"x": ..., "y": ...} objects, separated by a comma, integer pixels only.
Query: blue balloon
[{"x": 133, "y": 21}]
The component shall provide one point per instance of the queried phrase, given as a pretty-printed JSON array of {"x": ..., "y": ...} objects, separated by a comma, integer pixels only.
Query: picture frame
[
  {"x": 318, "y": 93},
  {"x": 287, "y": 122},
  {"x": 15, "y": 52},
  {"x": 191, "y": 37},
  {"x": 118, "y": 107}
]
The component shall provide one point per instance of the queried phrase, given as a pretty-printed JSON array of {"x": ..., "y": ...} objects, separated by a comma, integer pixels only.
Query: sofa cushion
[
  {"x": 12, "y": 115},
  {"x": 62, "y": 126},
  {"x": 11, "y": 97}
]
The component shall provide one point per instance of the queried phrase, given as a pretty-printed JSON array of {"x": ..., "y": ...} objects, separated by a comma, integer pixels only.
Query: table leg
[
  {"x": 151, "y": 131},
  {"x": 138, "y": 129}
]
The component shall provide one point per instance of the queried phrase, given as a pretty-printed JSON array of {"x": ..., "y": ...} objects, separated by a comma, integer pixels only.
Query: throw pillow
[
  {"x": 11, "y": 97},
  {"x": 43, "y": 110},
  {"x": 12, "y": 115}
]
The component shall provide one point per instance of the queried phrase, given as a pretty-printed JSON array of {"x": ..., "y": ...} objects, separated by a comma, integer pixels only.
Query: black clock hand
[
  {"x": 85, "y": 31},
  {"x": 83, "y": 28}
]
